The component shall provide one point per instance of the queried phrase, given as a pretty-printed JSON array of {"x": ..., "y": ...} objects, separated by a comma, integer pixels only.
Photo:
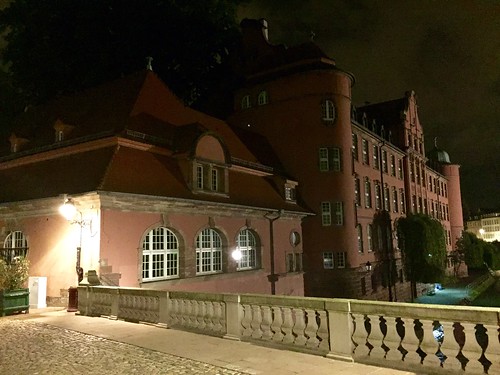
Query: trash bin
[{"x": 72, "y": 299}]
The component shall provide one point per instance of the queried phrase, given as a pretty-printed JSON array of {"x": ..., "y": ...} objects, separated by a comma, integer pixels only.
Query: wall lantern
[
  {"x": 237, "y": 255},
  {"x": 368, "y": 266}
]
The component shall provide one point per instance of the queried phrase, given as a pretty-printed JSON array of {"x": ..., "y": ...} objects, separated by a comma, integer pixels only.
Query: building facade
[
  {"x": 485, "y": 226},
  {"x": 355, "y": 166},
  {"x": 159, "y": 196}
]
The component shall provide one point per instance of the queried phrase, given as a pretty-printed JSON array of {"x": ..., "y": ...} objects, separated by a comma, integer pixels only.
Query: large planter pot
[{"x": 13, "y": 301}]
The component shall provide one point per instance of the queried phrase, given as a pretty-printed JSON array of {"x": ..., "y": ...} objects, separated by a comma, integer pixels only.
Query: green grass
[{"x": 490, "y": 298}]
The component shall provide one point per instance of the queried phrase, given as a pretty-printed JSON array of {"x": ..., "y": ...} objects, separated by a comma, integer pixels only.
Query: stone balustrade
[{"x": 412, "y": 337}]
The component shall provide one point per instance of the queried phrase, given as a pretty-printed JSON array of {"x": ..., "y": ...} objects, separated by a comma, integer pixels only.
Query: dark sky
[{"x": 447, "y": 51}]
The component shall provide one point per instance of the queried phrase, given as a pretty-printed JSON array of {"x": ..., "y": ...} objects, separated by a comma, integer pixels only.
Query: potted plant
[{"x": 14, "y": 297}]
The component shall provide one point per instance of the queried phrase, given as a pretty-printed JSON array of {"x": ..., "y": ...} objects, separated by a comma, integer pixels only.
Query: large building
[
  {"x": 485, "y": 226},
  {"x": 356, "y": 167},
  {"x": 159, "y": 196}
]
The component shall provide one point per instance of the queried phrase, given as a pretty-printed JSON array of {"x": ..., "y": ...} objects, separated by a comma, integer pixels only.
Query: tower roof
[{"x": 438, "y": 155}]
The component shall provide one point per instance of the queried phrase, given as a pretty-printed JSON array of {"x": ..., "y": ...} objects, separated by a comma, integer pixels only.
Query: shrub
[{"x": 14, "y": 275}]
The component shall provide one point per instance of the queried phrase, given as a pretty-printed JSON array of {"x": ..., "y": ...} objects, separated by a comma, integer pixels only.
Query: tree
[
  {"x": 62, "y": 46},
  {"x": 478, "y": 252},
  {"x": 423, "y": 246}
]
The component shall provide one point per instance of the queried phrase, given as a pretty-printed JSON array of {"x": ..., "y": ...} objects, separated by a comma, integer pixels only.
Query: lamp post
[{"x": 272, "y": 277}]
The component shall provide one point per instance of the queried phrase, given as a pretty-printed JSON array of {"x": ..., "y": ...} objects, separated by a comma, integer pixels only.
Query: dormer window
[
  {"x": 328, "y": 111},
  {"x": 291, "y": 191},
  {"x": 208, "y": 178},
  {"x": 16, "y": 143},
  {"x": 62, "y": 130},
  {"x": 245, "y": 102},
  {"x": 209, "y": 173},
  {"x": 263, "y": 98}
]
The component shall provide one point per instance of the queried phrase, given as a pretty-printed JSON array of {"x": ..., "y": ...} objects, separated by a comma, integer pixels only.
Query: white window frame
[
  {"x": 326, "y": 214},
  {"x": 15, "y": 245},
  {"x": 324, "y": 162},
  {"x": 328, "y": 110},
  {"x": 245, "y": 102},
  {"x": 328, "y": 260},
  {"x": 246, "y": 244},
  {"x": 263, "y": 98},
  {"x": 369, "y": 237},
  {"x": 339, "y": 213},
  {"x": 368, "y": 193},
  {"x": 357, "y": 191},
  {"x": 359, "y": 231},
  {"x": 366, "y": 151},
  {"x": 208, "y": 248},
  {"x": 160, "y": 255}
]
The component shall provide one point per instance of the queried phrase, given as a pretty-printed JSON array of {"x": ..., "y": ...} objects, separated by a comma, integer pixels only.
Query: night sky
[{"x": 447, "y": 51}]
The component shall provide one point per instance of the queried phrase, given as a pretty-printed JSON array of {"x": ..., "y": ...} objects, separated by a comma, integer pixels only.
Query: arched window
[
  {"x": 263, "y": 98},
  {"x": 160, "y": 255},
  {"x": 359, "y": 231},
  {"x": 15, "y": 245},
  {"x": 208, "y": 252},
  {"x": 247, "y": 245}
]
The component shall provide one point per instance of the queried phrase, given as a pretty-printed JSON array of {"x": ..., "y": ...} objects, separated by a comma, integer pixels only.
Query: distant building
[
  {"x": 485, "y": 226},
  {"x": 165, "y": 197},
  {"x": 355, "y": 166}
]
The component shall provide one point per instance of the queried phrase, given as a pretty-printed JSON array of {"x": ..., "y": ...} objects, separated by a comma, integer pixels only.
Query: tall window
[
  {"x": 15, "y": 245},
  {"x": 245, "y": 102},
  {"x": 328, "y": 111},
  {"x": 208, "y": 252},
  {"x": 393, "y": 165},
  {"x": 384, "y": 161},
  {"x": 209, "y": 178},
  {"x": 263, "y": 98},
  {"x": 339, "y": 213},
  {"x": 378, "y": 196},
  {"x": 395, "y": 202},
  {"x": 369, "y": 237},
  {"x": 357, "y": 193},
  {"x": 214, "y": 181},
  {"x": 366, "y": 152},
  {"x": 359, "y": 231},
  {"x": 375, "y": 157},
  {"x": 329, "y": 159},
  {"x": 368, "y": 193},
  {"x": 403, "y": 203},
  {"x": 246, "y": 244},
  {"x": 355, "y": 150},
  {"x": 326, "y": 214},
  {"x": 400, "y": 169},
  {"x": 341, "y": 258},
  {"x": 160, "y": 255},
  {"x": 328, "y": 262},
  {"x": 387, "y": 198}
]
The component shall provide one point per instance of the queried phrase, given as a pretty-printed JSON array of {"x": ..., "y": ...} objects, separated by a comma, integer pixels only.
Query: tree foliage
[
  {"x": 60, "y": 46},
  {"x": 477, "y": 252},
  {"x": 423, "y": 245}
]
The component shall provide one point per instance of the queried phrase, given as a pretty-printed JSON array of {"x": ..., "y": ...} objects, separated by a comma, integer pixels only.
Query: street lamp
[{"x": 368, "y": 266}]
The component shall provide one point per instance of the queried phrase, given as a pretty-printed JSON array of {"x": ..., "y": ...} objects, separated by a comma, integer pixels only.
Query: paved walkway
[
  {"x": 446, "y": 296},
  {"x": 50, "y": 341}
]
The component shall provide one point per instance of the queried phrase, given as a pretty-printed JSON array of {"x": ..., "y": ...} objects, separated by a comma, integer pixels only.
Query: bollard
[{"x": 72, "y": 299}]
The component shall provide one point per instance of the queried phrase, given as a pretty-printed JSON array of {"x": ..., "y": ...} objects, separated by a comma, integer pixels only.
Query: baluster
[
  {"x": 247, "y": 321},
  {"x": 277, "y": 323},
  {"x": 471, "y": 350},
  {"x": 266, "y": 323},
  {"x": 376, "y": 337},
  {"x": 391, "y": 340},
  {"x": 311, "y": 330},
  {"x": 323, "y": 333},
  {"x": 360, "y": 335},
  {"x": 287, "y": 326},
  {"x": 201, "y": 315},
  {"x": 299, "y": 327},
  {"x": 493, "y": 350},
  {"x": 174, "y": 311},
  {"x": 193, "y": 321},
  {"x": 184, "y": 312},
  {"x": 256, "y": 321},
  {"x": 429, "y": 345},
  {"x": 209, "y": 316},
  {"x": 450, "y": 347},
  {"x": 218, "y": 317}
]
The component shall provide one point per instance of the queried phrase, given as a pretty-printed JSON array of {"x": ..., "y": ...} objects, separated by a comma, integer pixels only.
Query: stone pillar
[
  {"x": 233, "y": 317},
  {"x": 340, "y": 328}
]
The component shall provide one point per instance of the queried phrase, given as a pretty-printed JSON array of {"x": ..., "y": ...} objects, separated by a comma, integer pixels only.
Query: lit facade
[
  {"x": 166, "y": 197},
  {"x": 485, "y": 226},
  {"x": 352, "y": 165}
]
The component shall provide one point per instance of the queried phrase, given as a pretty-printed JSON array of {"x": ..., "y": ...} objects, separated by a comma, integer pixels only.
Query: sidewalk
[{"x": 242, "y": 357}]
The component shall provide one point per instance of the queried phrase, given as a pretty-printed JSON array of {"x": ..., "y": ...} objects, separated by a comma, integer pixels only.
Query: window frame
[
  {"x": 328, "y": 260},
  {"x": 160, "y": 242},
  {"x": 246, "y": 244},
  {"x": 214, "y": 250}
]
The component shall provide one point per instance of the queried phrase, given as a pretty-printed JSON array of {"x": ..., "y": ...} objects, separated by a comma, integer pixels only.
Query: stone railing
[{"x": 417, "y": 338}]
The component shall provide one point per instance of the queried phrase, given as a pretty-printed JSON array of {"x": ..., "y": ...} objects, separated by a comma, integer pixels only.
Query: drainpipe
[{"x": 272, "y": 277}]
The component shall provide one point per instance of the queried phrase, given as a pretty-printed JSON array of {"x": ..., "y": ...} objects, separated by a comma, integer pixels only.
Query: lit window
[
  {"x": 384, "y": 161},
  {"x": 328, "y": 111},
  {"x": 375, "y": 157},
  {"x": 160, "y": 255},
  {"x": 290, "y": 194},
  {"x": 15, "y": 245},
  {"x": 368, "y": 193},
  {"x": 357, "y": 194},
  {"x": 263, "y": 98},
  {"x": 245, "y": 102},
  {"x": 395, "y": 202},
  {"x": 360, "y": 238},
  {"x": 400, "y": 169},
  {"x": 369, "y": 237},
  {"x": 378, "y": 196},
  {"x": 387, "y": 199},
  {"x": 326, "y": 214},
  {"x": 246, "y": 244},
  {"x": 393, "y": 165},
  {"x": 208, "y": 252},
  {"x": 328, "y": 260},
  {"x": 403, "y": 203},
  {"x": 366, "y": 152},
  {"x": 355, "y": 146}
]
